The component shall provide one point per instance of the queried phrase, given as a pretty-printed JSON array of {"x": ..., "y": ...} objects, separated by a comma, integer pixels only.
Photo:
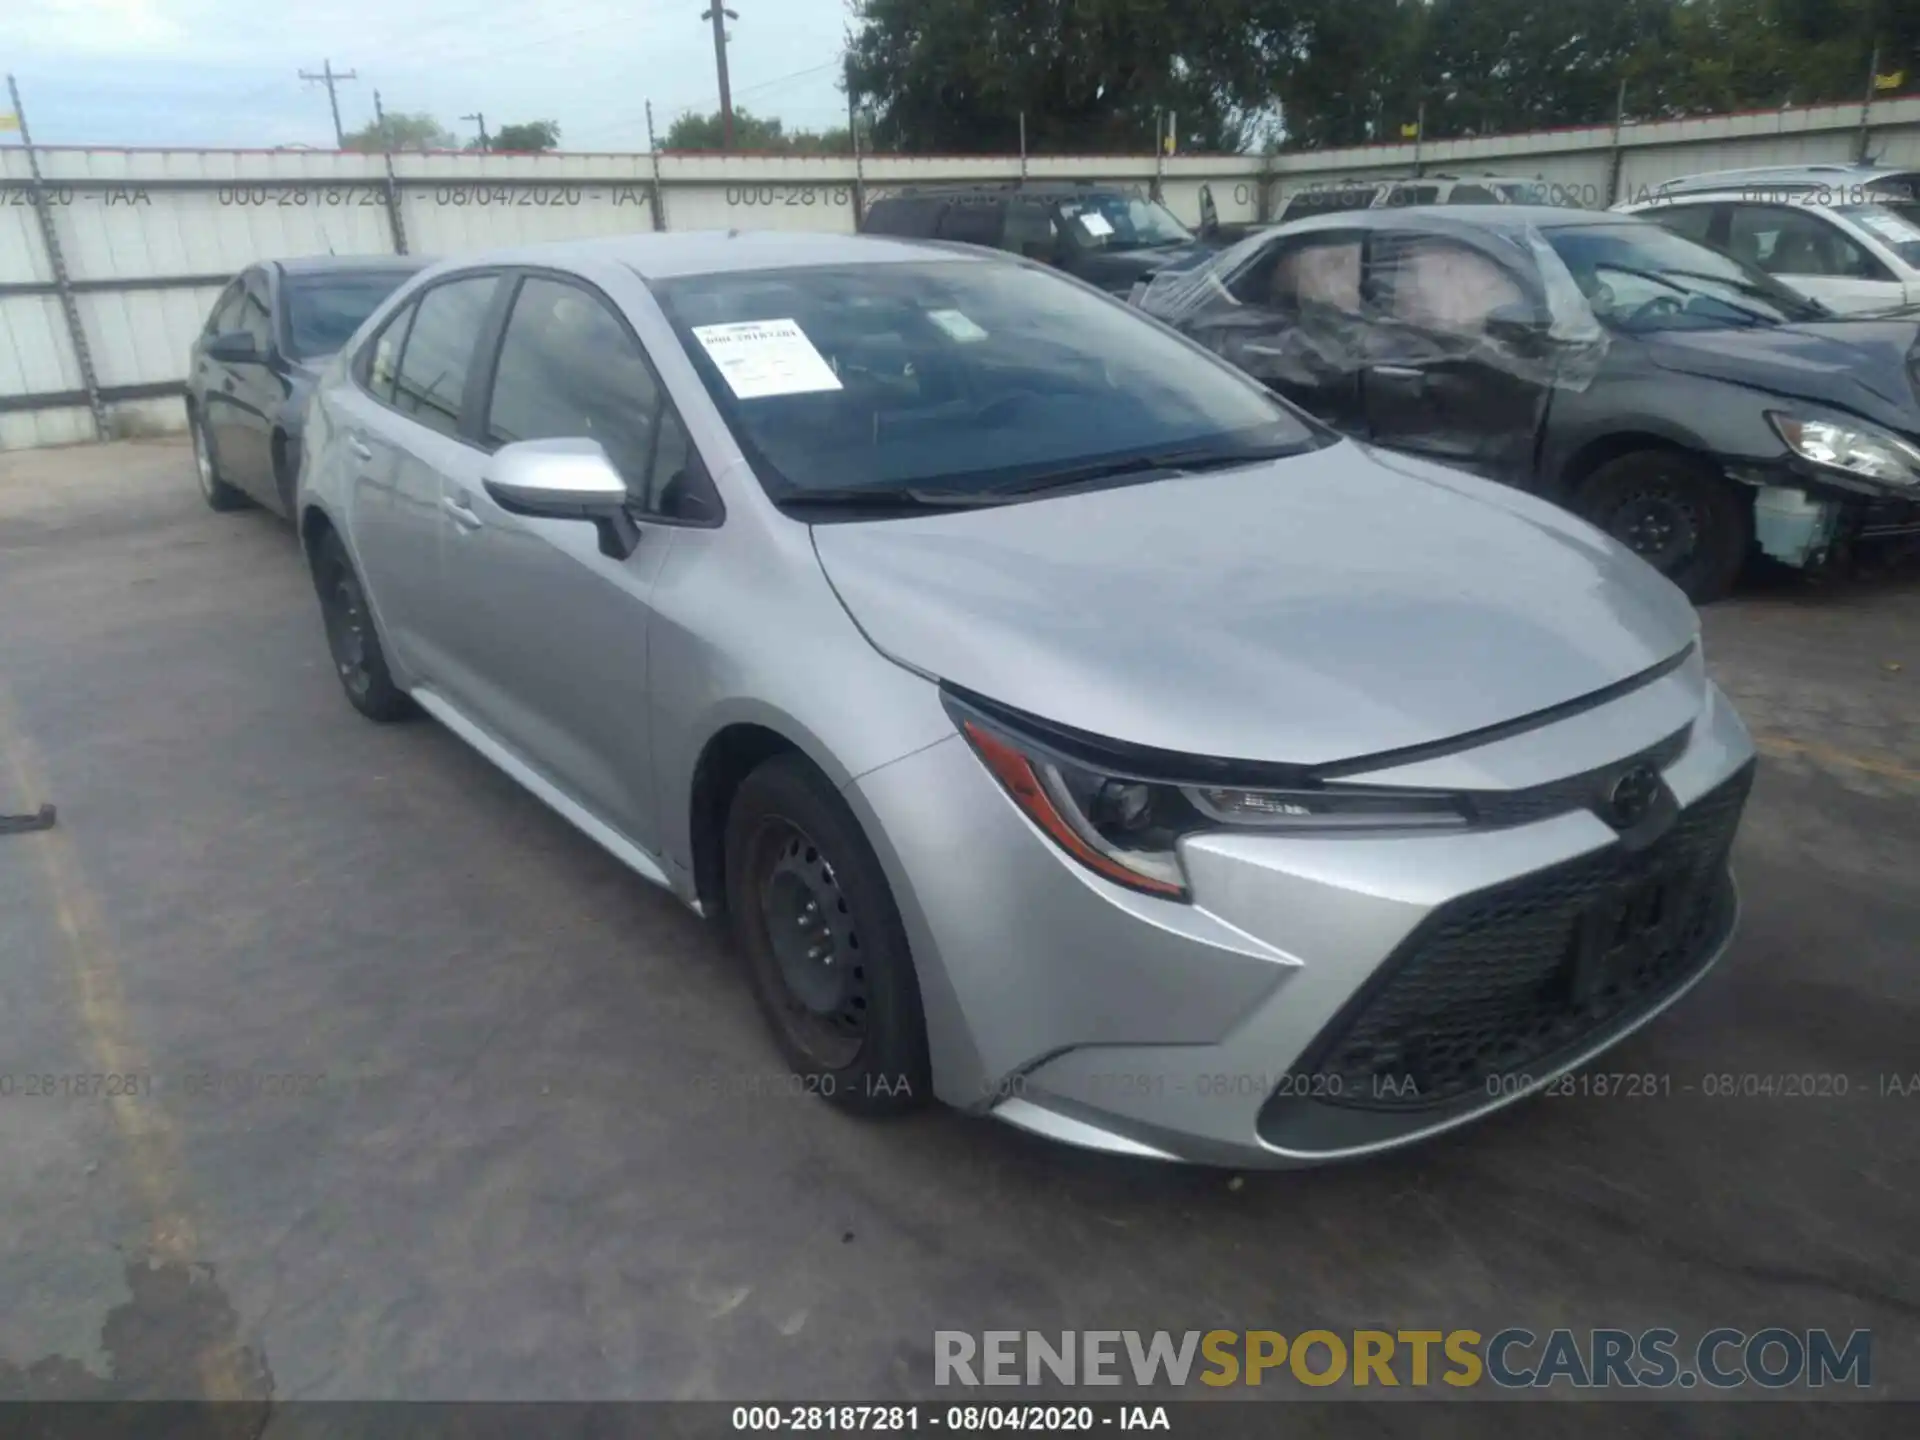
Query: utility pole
[
  {"x": 853, "y": 137},
  {"x": 1866, "y": 105},
  {"x": 719, "y": 15},
  {"x": 396, "y": 223},
  {"x": 330, "y": 77},
  {"x": 479, "y": 118},
  {"x": 656, "y": 200}
]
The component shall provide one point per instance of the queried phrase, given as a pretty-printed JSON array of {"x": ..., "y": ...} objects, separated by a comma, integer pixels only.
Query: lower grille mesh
[{"x": 1512, "y": 979}]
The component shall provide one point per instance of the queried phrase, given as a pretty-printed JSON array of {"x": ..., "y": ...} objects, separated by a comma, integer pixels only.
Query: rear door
[
  {"x": 1292, "y": 320},
  {"x": 412, "y": 435},
  {"x": 546, "y": 640},
  {"x": 1447, "y": 376}
]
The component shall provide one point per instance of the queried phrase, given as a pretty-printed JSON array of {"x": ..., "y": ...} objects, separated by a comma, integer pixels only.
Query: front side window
[
  {"x": 439, "y": 352},
  {"x": 569, "y": 369},
  {"x": 323, "y": 311},
  {"x": 254, "y": 317},
  {"x": 225, "y": 314},
  {"x": 1784, "y": 240},
  {"x": 955, "y": 375}
]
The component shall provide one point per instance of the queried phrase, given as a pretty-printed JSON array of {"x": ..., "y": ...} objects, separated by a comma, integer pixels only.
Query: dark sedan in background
[
  {"x": 1102, "y": 234},
  {"x": 1683, "y": 401},
  {"x": 255, "y": 361}
]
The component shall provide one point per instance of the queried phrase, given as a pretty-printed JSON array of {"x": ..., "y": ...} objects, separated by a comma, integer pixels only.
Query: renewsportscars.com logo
[{"x": 1722, "y": 1359}]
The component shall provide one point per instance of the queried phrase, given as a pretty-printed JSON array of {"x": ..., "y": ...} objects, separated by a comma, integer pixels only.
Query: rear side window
[
  {"x": 253, "y": 316},
  {"x": 380, "y": 361},
  {"x": 976, "y": 222},
  {"x": 439, "y": 352},
  {"x": 1467, "y": 193},
  {"x": 225, "y": 314},
  {"x": 1327, "y": 201}
]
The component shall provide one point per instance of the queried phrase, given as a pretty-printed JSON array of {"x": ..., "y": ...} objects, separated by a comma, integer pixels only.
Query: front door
[
  {"x": 1459, "y": 368},
  {"x": 546, "y": 638}
]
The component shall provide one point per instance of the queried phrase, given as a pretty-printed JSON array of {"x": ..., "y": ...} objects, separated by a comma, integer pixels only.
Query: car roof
[
  {"x": 1045, "y": 189},
  {"x": 670, "y": 255},
  {"x": 1786, "y": 176},
  {"x": 353, "y": 264},
  {"x": 1503, "y": 219}
]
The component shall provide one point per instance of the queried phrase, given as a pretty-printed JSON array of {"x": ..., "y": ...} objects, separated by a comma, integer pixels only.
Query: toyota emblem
[{"x": 1633, "y": 795}]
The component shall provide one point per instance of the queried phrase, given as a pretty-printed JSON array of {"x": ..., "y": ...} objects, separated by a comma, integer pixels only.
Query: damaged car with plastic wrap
[
  {"x": 1058, "y": 723},
  {"x": 1686, "y": 403}
]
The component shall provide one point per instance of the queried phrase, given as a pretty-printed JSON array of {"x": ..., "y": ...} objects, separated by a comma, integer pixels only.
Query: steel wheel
[
  {"x": 349, "y": 633},
  {"x": 1659, "y": 524},
  {"x": 812, "y": 959}
]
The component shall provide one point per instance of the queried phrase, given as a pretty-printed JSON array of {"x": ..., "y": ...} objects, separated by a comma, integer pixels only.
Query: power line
[{"x": 331, "y": 77}]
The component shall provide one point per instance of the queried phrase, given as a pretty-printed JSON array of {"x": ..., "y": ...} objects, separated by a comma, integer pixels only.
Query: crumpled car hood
[{"x": 1323, "y": 607}]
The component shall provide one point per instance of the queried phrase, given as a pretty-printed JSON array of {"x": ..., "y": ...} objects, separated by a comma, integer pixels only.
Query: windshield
[
  {"x": 965, "y": 377},
  {"x": 1640, "y": 277},
  {"x": 1121, "y": 222},
  {"x": 323, "y": 311},
  {"x": 1894, "y": 223}
]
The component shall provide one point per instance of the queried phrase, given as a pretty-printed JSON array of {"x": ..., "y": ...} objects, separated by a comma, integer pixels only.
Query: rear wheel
[
  {"x": 1677, "y": 512},
  {"x": 218, "y": 494},
  {"x": 355, "y": 645},
  {"x": 811, "y": 911}
]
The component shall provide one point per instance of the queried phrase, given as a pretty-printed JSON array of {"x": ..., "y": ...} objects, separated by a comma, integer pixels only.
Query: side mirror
[
  {"x": 565, "y": 480},
  {"x": 233, "y": 347}
]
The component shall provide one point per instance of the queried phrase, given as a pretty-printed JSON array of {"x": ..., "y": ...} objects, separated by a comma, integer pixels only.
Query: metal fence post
[
  {"x": 853, "y": 138},
  {"x": 658, "y": 198},
  {"x": 1615, "y": 156},
  {"x": 395, "y": 221},
  {"x": 63, "y": 284}
]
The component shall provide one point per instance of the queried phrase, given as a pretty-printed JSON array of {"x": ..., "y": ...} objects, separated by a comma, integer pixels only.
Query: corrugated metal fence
[{"x": 145, "y": 238}]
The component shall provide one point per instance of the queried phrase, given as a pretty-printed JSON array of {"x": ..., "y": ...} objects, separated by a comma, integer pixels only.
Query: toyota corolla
[{"x": 1060, "y": 724}]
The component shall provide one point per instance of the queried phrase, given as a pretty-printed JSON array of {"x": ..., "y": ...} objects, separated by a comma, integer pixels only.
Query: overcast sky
[{"x": 223, "y": 72}]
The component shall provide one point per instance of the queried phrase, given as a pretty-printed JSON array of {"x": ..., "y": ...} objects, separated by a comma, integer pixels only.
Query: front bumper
[{"x": 1225, "y": 1030}]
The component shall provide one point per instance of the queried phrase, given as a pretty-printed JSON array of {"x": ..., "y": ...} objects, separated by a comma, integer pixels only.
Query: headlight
[
  {"x": 1853, "y": 446},
  {"x": 1127, "y": 826}
]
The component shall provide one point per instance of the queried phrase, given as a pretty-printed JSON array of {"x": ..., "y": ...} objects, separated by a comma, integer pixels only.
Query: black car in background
[
  {"x": 1683, "y": 401},
  {"x": 1104, "y": 235},
  {"x": 253, "y": 366}
]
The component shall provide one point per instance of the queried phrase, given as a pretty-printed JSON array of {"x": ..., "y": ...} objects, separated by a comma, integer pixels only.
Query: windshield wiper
[
  {"x": 1171, "y": 462},
  {"x": 936, "y": 498}
]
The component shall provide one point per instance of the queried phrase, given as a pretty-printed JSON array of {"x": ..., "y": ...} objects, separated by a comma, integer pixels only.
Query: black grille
[{"x": 1511, "y": 980}]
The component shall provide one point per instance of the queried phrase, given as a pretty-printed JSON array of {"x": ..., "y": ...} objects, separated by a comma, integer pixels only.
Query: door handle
[
  {"x": 1400, "y": 372},
  {"x": 361, "y": 450},
  {"x": 462, "y": 512}
]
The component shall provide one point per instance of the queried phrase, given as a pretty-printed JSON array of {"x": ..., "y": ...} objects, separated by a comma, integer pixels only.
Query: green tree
[
  {"x": 753, "y": 132},
  {"x": 528, "y": 136},
  {"x": 1089, "y": 75},
  {"x": 402, "y": 132}
]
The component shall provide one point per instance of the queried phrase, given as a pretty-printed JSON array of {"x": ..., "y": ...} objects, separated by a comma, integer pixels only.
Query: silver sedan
[{"x": 1060, "y": 725}]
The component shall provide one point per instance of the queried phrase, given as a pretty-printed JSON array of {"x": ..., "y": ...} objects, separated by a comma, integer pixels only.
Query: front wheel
[
  {"x": 812, "y": 913},
  {"x": 1676, "y": 512}
]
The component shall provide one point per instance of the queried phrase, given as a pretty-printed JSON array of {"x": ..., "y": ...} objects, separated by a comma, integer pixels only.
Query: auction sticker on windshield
[
  {"x": 959, "y": 327},
  {"x": 1094, "y": 223},
  {"x": 758, "y": 358}
]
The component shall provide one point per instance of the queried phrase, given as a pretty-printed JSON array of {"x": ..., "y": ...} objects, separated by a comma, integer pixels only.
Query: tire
[
  {"x": 218, "y": 494},
  {"x": 352, "y": 638},
  {"x": 1675, "y": 511},
  {"x": 806, "y": 894}
]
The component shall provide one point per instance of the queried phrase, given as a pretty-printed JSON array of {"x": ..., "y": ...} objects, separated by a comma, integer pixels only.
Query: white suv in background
[
  {"x": 1325, "y": 197},
  {"x": 1846, "y": 235}
]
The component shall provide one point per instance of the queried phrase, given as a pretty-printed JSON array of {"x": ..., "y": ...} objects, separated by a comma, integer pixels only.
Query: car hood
[
  {"x": 1870, "y": 367},
  {"x": 1323, "y": 607}
]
